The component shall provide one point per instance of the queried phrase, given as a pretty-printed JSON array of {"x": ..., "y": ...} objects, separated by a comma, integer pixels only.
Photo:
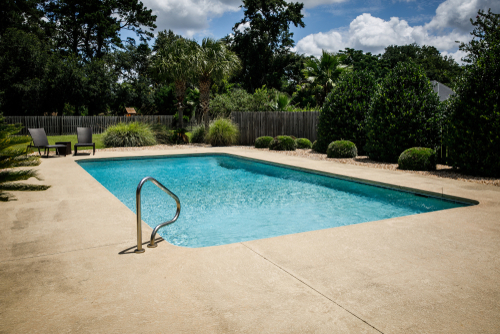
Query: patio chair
[
  {"x": 39, "y": 140},
  {"x": 84, "y": 138}
]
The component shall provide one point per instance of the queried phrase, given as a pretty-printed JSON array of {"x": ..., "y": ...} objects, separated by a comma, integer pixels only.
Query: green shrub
[
  {"x": 344, "y": 113},
  {"x": 417, "y": 158},
  {"x": 179, "y": 136},
  {"x": 315, "y": 146},
  {"x": 405, "y": 112},
  {"x": 342, "y": 149},
  {"x": 198, "y": 135},
  {"x": 128, "y": 135},
  {"x": 283, "y": 143},
  {"x": 263, "y": 142},
  {"x": 472, "y": 134},
  {"x": 162, "y": 133},
  {"x": 303, "y": 143},
  {"x": 222, "y": 132}
]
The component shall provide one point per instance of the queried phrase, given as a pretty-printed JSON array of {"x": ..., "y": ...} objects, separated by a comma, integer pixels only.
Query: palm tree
[
  {"x": 11, "y": 157},
  {"x": 215, "y": 62},
  {"x": 324, "y": 71},
  {"x": 174, "y": 61}
]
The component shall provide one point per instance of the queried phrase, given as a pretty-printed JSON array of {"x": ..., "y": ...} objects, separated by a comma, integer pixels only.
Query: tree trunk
[
  {"x": 205, "y": 100},
  {"x": 180, "y": 94}
]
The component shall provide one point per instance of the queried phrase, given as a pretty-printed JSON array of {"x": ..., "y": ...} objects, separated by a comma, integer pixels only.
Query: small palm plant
[
  {"x": 215, "y": 62},
  {"x": 11, "y": 157},
  {"x": 323, "y": 72}
]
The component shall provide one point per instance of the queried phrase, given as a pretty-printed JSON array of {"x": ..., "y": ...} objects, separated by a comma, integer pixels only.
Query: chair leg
[
  {"x": 94, "y": 149},
  {"x": 76, "y": 149},
  {"x": 39, "y": 152}
]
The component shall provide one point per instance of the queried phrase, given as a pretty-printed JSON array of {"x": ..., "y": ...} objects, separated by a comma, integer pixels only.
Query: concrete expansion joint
[
  {"x": 312, "y": 288},
  {"x": 57, "y": 253}
]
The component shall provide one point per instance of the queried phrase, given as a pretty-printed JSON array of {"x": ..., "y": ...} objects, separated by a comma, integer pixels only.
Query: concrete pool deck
[{"x": 68, "y": 266}]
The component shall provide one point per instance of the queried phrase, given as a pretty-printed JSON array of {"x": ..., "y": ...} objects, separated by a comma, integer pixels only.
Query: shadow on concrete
[{"x": 131, "y": 250}]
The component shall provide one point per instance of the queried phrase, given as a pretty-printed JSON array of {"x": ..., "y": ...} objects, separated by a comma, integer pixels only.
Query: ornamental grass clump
[
  {"x": 263, "y": 142},
  {"x": 198, "y": 135},
  {"x": 303, "y": 143},
  {"x": 342, "y": 149},
  {"x": 418, "y": 158},
  {"x": 283, "y": 143},
  {"x": 222, "y": 132},
  {"x": 129, "y": 135}
]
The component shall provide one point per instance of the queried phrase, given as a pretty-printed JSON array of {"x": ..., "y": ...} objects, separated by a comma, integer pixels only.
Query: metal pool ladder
[{"x": 138, "y": 208}]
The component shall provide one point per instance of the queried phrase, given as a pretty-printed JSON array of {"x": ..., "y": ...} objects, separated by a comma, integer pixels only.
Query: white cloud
[
  {"x": 243, "y": 26},
  {"x": 372, "y": 34},
  {"x": 456, "y": 14},
  {"x": 189, "y": 16}
]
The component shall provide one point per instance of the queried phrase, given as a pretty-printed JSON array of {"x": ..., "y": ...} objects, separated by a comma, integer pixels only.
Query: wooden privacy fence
[
  {"x": 66, "y": 125},
  {"x": 256, "y": 124}
]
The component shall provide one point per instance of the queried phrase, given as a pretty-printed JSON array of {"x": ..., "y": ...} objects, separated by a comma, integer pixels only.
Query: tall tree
[
  {"x": 214, "y": 63},
  {"x": 436, "y": 67},
  {"x": 174, "y": 61},
  {"x": 361, "y": 61},
  {"x": 263, "y": 38},
  {"x": 24, "y": 15},
  {"x": 91, "y": 28}
]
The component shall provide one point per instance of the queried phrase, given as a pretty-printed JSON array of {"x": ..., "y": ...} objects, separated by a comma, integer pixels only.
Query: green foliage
[
  {"x": 264, "y": 46},
  {"x": 283, "y": 143},
  {"x": 324, "y": 72},
  {"x": 404, "y": 112},
  {"x": 129, "y": 135},
  {"x": 179, "y": 136},
  {"x": 315, "y": 146},
  {"x": 303, "y": 143},
  {"x": 342, "y": 149},
  {"x": 222, "y": 132},
  {"x": 361, "y": 61},
  {"x": 343, "y": 115},
  {"x": 473, "y": 131},
  {"x": 198, "y": 135},
  {"x": 434, "y": 65},
  {"x": 11, "y": 157},
  {"x": 263, "y": 142},
  {"x": 162, "y": 133},
  {"x": 95, "y": 25},
  {"x": 417, "y": 158}
]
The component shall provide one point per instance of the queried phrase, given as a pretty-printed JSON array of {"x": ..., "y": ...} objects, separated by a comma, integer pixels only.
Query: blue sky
[{"x": 368, "y": 25}]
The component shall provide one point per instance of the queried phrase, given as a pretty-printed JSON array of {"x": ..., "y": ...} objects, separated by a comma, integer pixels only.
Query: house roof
[{"x": 444, "y": 92}]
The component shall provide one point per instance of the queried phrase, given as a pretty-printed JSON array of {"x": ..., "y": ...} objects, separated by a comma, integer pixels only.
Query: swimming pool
[{"x": 227, "y": 199}]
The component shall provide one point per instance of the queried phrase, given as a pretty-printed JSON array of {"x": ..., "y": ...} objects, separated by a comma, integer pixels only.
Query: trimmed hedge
[
  {"x": 315, "y": 146},
  {"x": 342, "y": 149},
  {"x": 417, "y": 158},
  {"x": 263, "y": 142},
  {"x": 345, "y": 110},
  {"x": 222, "y": 132},
  {"x": 472, "y": 134},
  {"x": 283, "y": 143},
  {"x": 405, "y": 112},
  {"x": 303, "y": 143},
  {"x": 128, "y": 135}
]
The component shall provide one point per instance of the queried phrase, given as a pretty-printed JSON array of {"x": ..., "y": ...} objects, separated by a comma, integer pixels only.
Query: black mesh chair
[
  {"x": 84, "y": 138},
  {"x": 39, "y": 140}
]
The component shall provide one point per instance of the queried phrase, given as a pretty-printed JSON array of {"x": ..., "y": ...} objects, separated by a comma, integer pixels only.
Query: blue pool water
[{"x": 226, "y": 199}]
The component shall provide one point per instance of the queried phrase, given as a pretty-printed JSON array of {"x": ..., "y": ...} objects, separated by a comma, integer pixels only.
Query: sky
[{"x": 332, "y": 25}]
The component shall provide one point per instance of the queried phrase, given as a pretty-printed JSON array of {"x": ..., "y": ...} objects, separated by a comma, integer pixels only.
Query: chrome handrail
[{"x": 138, "y": 208}]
